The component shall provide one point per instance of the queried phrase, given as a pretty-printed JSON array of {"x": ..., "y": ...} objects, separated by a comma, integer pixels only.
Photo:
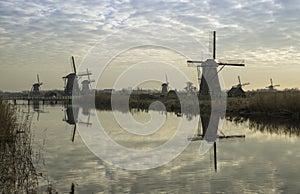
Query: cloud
[{"x": 52, "y": 29}]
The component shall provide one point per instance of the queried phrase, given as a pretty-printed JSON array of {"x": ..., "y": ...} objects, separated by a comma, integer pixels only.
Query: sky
[{"x": 40, "y": 36}]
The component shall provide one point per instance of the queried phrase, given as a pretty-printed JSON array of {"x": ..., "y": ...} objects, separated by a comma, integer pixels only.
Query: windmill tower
[
  {"x": 272, "y": 87},
  {"x": 71, "y": 81},
  {"x": 237, "y": 90},
  {"x": 86, "y": 84},
  {"x": 210, "y": 71},
  {"x": 164, "y": 86},
  {"x": 35, "y": 90}
]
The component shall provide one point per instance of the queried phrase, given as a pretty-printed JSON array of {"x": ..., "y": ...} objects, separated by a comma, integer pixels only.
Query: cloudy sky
[{"x": 39, "y": 36}]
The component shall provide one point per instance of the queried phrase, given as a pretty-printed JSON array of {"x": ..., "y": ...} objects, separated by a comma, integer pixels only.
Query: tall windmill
[
  {"x": 165, "y": 86},
  {"x": 210, "y": 70},
  {"x": 71, "y": 81},
  {"x": 237, "y": 90},
  {"x": 35, "y": 90},
  {"x": 272, "y": 87}
]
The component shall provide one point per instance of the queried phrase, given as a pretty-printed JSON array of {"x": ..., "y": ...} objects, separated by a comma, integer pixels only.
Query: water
[{"x": 263, "y": 162}]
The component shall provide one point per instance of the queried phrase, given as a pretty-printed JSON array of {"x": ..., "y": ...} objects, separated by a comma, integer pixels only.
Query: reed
[
  {"x": 284, "y": 104},
  {"x": 18, "y": 174},
  {"x": 272, "y": 104}
]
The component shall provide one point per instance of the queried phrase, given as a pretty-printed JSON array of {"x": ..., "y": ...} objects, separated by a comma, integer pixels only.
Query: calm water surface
[{"x": 263, "y": 162}]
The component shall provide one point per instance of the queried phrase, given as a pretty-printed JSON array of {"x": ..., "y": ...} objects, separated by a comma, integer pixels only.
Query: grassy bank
[
  {"x": 266, "y": 104},
  {"x": 18, "y": 174},
  {"x": 282, "y": 104},
  {"x": 142, "y": 102}
]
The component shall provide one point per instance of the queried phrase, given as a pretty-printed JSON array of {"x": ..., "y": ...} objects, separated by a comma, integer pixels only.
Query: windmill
[
  {"x": 272, "y": 87},
  {"x": 86, "y": 84},
  {"x": 35, "y": 90},
  {"x": 237, "y": 90},
  {"x": 71, "y": 81},
  {"x": 164, "y": 86},
  {"x": 210, "y": 70}
]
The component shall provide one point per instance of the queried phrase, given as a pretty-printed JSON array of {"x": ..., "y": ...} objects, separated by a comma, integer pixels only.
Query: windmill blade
[
  {"x": 239, "y": 80},
  {"x": 38, "y": 78},
  {"x": 231, "y": 62},
  {"x": 88, "y": 74},
  {"x": 73, "y": 64},
  {"x": 73, "y": 136},
  {"x": 89, "y": 117},
  {"x": 271, "y": 82},
  {"x": 89, "y": 78},
  {"x": 167, "y": 79},
  {"x": 246, "y": 84},
  {"x": 276, "y": 85},
  {"x": 192, "y": 62}
]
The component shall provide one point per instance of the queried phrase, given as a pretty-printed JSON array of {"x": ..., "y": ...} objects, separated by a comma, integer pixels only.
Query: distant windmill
[
  {"x": 35, "y": 90},
  {"x": 272, "y": 87},
  {"x": 164, "y": 86},
  {"x": 240, "y": 83},
  {"x": 237, "y": 90},
  {"x": 71, "y": 81},
  {"x": 209, "y": 70},
  {"x": 86, "y": 84}
]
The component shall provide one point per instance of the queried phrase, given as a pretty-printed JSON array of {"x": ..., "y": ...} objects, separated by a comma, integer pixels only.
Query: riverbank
[{"x": 280, "y": 104}]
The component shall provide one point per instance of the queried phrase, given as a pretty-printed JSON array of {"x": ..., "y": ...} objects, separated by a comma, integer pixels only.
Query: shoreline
[{"x": 274, "y": 105}]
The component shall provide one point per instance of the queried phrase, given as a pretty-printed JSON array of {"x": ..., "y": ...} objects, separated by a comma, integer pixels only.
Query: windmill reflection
[
  {"x": 71, "y": 116},
  {"x": 202, "y": 132},
  {"x": 74, "y": 116},
  {"x": 36, "y": 109}
]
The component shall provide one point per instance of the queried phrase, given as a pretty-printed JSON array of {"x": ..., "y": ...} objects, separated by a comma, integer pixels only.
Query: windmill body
[
  {"x": 86, "y": 84},
  {"x": 164, "y": 87},
  {"x": 71, "y": 82},
  {"x": 35, "y": 90},
  {"x": 272, "y": 87}
]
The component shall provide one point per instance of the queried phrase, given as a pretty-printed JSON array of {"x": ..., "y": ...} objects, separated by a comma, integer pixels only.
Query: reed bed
[
  {"x": 18, "y": 174},
  {"x": 271, "y": 104}
]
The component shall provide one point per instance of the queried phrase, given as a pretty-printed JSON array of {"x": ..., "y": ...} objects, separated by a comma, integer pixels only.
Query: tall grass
[
  {"x": 18, "y": 174},
  {"x": 273, "y": 104}
]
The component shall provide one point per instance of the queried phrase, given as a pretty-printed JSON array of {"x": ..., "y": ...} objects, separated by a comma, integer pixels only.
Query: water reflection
[
  {"x": 254, "y": 166},
  {"x": 36, "y": 107},
  {"x": 279, "y": 126},
  {"x": 203, "y": 124}
]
